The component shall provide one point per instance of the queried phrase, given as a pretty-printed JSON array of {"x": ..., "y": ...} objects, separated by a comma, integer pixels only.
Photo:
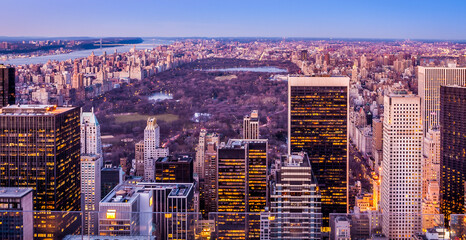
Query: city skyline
[{"x": 334, "y": 19}]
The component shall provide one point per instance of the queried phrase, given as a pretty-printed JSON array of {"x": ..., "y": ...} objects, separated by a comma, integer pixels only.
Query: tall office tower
[
  {"x": 16, "y": 213},
  {"x": 251, "y": 125},
  {"x": 40, "y": 149},
  {"x": 453, "y": 150},
  {"x": 295, "y": 201},
  {"x": 317, "y": 125},
  {"x": 152, "y": 149},
  {"x": 401, "y": 166},
  {"x": 90, "y": 189},
  {"x": 431, "y": 160},
  {"x": 139, "y": 158},
  {"x": 91, "y": 142},
  {"x": 7, "y": 85},
  {"x": 241, "y": 187},
  {"x": 174, "y": 169},
  {"x": 429, "y": 81}
]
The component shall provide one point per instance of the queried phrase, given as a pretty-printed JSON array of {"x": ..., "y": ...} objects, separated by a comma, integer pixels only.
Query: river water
[{"x": 147, "y": 44}]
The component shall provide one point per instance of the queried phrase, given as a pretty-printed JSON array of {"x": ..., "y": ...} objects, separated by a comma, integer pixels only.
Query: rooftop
[
  {"x": 14, "y": 192},
  {"x": 33, "y": 109},
  {"x": 122, "y": 193},
  {"x": 176, "y": 158}
]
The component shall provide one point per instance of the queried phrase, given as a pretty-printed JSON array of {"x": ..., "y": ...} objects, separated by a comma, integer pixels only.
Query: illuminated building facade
[
  {"x": 7, "y": 85},
  {"x": 90, "y": 188},
  {"x": 453, "y": 150},
  {"x": 401, "y": 191},
  {"x": 241, "y": 188},
  {"x": 174, "y": 169},
  {"x": 295, "y": 211},
  {"x": 317, "y": 125},
  {"x": 40, "y": 149},
  {"x": 429, "y": 81},
  {"x": 16, "y": 216},
  {"x": 251, "y": 125}
]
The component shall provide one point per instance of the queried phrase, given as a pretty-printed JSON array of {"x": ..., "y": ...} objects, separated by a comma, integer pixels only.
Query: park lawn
[{"x": 139, "y": 117}]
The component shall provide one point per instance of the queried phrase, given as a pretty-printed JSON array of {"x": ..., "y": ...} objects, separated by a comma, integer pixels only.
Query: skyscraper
[
  {"x": 429, "y": 81},
  {"x": 251, "y": 125},
  {"x": 91, "y": 142},
  {"x": 40, "y": 149},
  {"x": 90, "y": 188},
  {"x": 401, "y": 166},
  {"x": 241, "y": 187},
  {"x": 295, "y": 201},
  {"x": 7, "y": 85},
  {"x": 152, "y": 149},
  {"x": 453, "y": 150},
  {"x": 317, "y": 125}
]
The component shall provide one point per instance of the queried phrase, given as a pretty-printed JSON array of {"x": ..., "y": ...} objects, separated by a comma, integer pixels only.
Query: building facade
[
  {"x": 152, "y": 149},
  {"x": 91, "y": 142},
  {"x": 401, "y": 166},
  {"x": 317, "y": 125},
  {"x": 295, "y": 211},
  {"x": 40, "y": 149},
  {"x": 16, "y": 213},
  {"x": 174, "y": 169},
  {"x": 241, "y": 188},
  {"x": 90, "y": 189},
  {"x": 453, "y": 150},
  {"x": 251, "y": 125},
  {"x": 7, "y": 85},
  {"x": 429, "y": 81}
]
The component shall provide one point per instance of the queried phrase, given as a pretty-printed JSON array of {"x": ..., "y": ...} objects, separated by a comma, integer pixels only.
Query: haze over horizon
[{"x": 304, "y": 19}]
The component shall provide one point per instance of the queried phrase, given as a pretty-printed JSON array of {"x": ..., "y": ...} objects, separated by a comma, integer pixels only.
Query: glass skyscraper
[
  {"x": 317, "y": 125},
  {"x": 452, "y": 150},
  {"x": 40, "y": 149}
]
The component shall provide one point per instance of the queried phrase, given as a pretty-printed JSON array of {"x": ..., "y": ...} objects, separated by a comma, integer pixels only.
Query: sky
[{"x": 399, "y": 19}]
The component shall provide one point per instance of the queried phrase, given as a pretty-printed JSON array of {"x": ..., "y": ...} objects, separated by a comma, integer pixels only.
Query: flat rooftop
[
  {"x": 33, "y": 109},
  {"x": 177, "y": 189},
  {"x": 239, "y": 143},
  {"x": 174, "y": 159},
  {"x": 122, "y": 193},
  {"x": 14, "y": 192}
]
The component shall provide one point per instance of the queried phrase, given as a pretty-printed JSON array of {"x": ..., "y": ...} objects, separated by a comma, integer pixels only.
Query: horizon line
[{"x": 239, "y": 37}]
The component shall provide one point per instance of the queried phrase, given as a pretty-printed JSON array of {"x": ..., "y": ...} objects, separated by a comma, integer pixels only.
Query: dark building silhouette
[
  {"x": 174, "y": 169},
  {"x": 317, "y": 125},
  {"x": 110, "y": 177},
  {"x": 40, "y": 149},
  {"x": 7, "y": 85},
  {"x": 452, "y": 150}
]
